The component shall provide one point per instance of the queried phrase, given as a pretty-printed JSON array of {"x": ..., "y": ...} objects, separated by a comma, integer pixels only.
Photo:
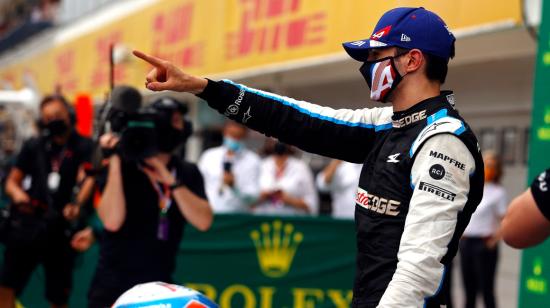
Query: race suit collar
[{"x": 422, "y": 109}]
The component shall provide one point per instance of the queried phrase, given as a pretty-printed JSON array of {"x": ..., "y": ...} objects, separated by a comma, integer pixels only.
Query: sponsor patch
[
  {"x": 437, "y": 172},
  {"x": 404, "y": 121},
  {"x": 543, "y": 186},
  {"x": 438, "y": 191},
  {"x": 450, "y": 160},
  {"x": 247, "y": 116},
  {"x": 233, "y": 109},
  {"x": 377, "y": 204},
  {"x": 393, "y": 158}
]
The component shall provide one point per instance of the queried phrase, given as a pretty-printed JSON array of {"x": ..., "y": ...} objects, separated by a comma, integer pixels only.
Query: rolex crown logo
[{"x": 276, "y": 246}]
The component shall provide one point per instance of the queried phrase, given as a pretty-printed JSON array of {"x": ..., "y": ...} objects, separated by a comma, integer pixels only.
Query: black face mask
[
  {"x": 55, "y": 128},
  {"x": 169, "y": 139}
]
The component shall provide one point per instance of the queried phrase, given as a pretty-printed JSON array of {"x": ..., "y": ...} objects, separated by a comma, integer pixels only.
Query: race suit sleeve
[
  {"x": 440, "y": 191},
  {"x": 541, "y": 193},
  {"x": 344, "y": 134}
]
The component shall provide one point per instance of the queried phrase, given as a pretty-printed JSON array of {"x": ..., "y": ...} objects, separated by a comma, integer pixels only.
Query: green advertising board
[
  {"x": 535, "y": 264},
  {"x": 250, "y": 261}
]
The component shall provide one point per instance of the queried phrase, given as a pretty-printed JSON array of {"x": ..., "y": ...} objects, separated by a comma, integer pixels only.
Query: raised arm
[
  {"x": 112, "y": 207},
  {"x": 344, "y": 134}
]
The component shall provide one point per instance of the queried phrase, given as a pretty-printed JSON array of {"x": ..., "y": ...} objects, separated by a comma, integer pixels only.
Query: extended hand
[{"x": 166, "y": 76}]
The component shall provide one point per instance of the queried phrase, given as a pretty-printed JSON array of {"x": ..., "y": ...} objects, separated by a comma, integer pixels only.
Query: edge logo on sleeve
[
  {"x": 438, "y": 191},
  {"x": 437, "y": 172},
  {"x": 377, "y": 204}
]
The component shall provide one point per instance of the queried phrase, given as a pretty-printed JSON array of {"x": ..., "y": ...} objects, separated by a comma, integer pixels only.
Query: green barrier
[
  {"x": 251, "y": 261},
  {"x": 535, "y": 264}
]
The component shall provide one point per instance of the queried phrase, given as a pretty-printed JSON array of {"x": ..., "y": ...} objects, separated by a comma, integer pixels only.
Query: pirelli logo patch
[
  {"x": 438, "y": 191},
  {"x": 377, "y": 204}
]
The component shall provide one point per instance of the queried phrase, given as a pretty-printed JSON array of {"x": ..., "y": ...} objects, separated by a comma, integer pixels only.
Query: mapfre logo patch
[{"x": 381, "y": 33}]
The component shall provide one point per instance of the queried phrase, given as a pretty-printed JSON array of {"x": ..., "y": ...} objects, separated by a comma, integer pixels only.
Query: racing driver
[{"x": 423, "y": 174}]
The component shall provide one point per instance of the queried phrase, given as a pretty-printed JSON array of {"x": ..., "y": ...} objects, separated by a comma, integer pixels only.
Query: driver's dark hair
[{"x": 436, "y": 67}]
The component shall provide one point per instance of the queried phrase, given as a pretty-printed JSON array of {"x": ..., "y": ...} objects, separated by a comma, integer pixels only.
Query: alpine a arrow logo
[
  {"x": 358, "y": 43},
  {"x": 381, "y": 33},
  {"x": 393, "y": 158}
]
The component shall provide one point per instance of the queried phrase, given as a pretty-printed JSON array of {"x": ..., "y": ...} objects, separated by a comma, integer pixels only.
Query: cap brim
[{"x": 359, "y": 50}]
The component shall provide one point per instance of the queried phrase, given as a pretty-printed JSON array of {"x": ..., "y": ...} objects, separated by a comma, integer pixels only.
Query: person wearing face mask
[
  {"x": 286, "y": 184},
  {"x": 41, "y": 185},
  {"x": 144, "y": 207},
  {"x": 422, "y": 174},
  {"x": 231, "y": 172},
  {"x": 479, "y": 243}
]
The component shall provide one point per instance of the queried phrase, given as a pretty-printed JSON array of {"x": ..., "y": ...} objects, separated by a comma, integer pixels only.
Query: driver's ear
[{"x": 415, "y": 59}]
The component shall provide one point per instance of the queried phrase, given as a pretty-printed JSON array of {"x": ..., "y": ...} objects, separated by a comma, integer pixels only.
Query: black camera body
[
  {"x": 138, "y": 134},
  {"x": 143, "y": 131}
]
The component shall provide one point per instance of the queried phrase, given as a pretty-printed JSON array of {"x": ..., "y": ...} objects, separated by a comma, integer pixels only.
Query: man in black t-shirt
[
  {"x": 527, "y": 222},
  {"x": 43, "y": 210},
  {"x": 144, "y": 207}
]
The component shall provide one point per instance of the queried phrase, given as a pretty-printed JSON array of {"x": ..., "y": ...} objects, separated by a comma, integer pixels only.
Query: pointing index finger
[{"x": 150, "y": 59}]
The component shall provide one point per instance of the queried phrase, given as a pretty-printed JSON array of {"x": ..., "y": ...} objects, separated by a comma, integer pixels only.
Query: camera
[{"x": 143, "y": 131}]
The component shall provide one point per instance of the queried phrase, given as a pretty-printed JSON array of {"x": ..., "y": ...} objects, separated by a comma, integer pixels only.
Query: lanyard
[
  {"x": 58, "y": 160},
  {"x": 163, "y": 192}
]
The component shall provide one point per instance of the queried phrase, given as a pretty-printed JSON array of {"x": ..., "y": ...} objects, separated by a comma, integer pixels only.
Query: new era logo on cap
[{"x": 405, "y": 38}]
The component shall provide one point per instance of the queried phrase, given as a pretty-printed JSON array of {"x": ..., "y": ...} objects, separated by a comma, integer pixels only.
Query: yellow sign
[
  {"x": 275, "y": 247},
  {"x": 217, "y": 36}
]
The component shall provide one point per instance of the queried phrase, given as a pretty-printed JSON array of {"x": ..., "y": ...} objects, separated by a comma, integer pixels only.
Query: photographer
[
  {"x": 43, "y": 212},
  {"x": 145, "y": 204}
]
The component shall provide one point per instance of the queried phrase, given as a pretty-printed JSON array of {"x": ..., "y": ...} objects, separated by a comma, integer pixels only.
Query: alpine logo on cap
[
  {"x": 358, "y": 43},
  {"x": 383, "y": 32}
]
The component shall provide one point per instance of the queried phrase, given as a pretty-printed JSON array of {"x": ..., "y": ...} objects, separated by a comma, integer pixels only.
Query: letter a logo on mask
[{"x": 382, "y": 79}]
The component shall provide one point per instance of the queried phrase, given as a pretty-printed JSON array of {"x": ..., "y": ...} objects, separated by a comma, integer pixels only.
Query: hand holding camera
[
  {"x": 157, "y": 171},
  {"x": 108, "y": 141}
]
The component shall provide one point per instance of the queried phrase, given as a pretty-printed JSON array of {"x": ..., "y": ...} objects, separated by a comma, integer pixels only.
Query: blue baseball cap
[{"x": 409, "y": 28}]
